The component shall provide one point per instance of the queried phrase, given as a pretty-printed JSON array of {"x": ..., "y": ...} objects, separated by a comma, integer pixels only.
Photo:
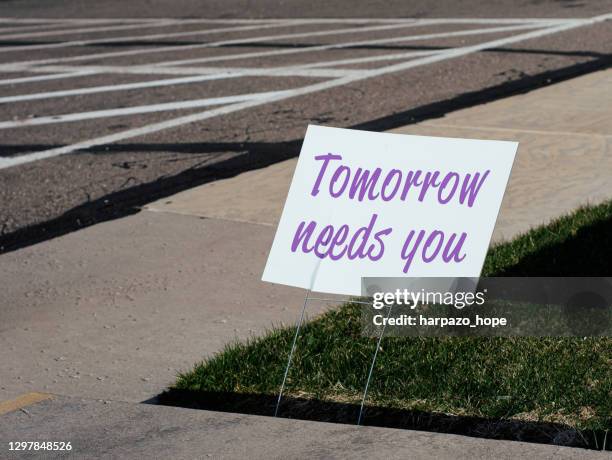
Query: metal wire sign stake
[
  {"x": 297, "y": 332},
  {"x": 294, "y": 345},
  {"x": 367, "y": 385}
]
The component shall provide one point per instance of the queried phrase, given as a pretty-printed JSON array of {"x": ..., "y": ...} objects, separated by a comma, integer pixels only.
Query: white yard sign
[{"x": 365, "y": 204}]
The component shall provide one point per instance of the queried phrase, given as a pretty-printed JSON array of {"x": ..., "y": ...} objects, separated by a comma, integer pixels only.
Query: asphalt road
[{"x": 103, "y": 111}]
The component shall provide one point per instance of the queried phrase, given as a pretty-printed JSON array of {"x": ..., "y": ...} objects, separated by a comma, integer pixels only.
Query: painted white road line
[
  {"x": 67, "y": 70},
  {"x": 35, "y": 27},
  {"x": 139, "y": 38},
  {"x": 196, "y": 75},
  {"x": 303, "y": 70},
  {"x": 108, "y": 88},
  {"x": 368, "y": 59},
  {"x": 11, "y": 66},
  {"x": 28, "y": 20},
  {"x": 518, "y": 20},
  {"x": 277, "y": 52},
  {"x": 123, "y": 25},
  {"x": 462, "y": 51},
  {"x": 317, "y": 69},
  {"x": 136, "y": 110},
  {"x": 80, "y": 20},
  {"x": 21, "y": 66},
  {"x": 205, "y": 74},
  {"x": 180, "y": 121},
  {"x": 379, "y": 41},
  {"x": 310, "y": 19},
  {"x": 211, "y": 20},
  {"x": 255, "y": 39},
  {"x": 233, "y": 72},
  {"x": 506, "y": 20},
  {"x": 38, "y": 66},
  {"x": 153, "y": 69},
  {"x": 320, "y": 33},
  {"x": 148, "y": 129},
  {"x": 57, "y": 23},
  {"x": 77, "y": 73},
  {"x": 32, "y": 28},
  {"x": 190, "y": 33},
  {"x": 85, "y": 30}
]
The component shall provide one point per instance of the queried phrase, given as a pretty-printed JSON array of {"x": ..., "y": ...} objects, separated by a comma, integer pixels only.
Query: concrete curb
[{"x": 110, "y": 429}]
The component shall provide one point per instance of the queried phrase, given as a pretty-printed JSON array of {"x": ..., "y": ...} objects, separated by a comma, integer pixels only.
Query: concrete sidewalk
[
  {"x": 116, "y": 310},
  {"x": 109, "y": 429}
]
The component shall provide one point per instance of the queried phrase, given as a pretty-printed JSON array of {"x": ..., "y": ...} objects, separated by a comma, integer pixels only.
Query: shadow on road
[{"x": 250, "y": 156}]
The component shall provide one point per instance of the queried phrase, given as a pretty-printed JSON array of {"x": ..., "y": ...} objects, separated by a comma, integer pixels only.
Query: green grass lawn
[{"x": 539, "y": 389}]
